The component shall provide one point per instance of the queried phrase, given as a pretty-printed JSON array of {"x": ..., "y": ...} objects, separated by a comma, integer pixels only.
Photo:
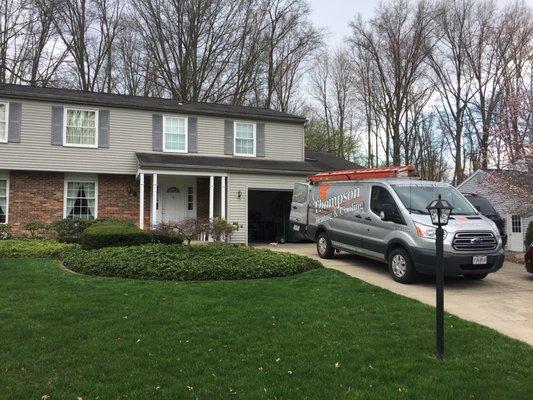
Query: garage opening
[{"x": 268, "y": 216}]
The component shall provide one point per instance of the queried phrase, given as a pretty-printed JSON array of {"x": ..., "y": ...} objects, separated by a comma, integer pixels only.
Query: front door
[{"x": 173, "y": 204}]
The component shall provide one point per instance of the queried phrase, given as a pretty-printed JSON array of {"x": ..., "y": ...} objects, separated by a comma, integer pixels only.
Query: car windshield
[{"x": 416, "y": 197}]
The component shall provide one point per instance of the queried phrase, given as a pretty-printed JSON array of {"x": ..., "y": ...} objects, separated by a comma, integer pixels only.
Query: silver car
[{"x": 387, "y": 220}]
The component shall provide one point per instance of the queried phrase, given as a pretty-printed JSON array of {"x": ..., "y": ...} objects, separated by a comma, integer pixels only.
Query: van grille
[{"x": 474, "y": 241}]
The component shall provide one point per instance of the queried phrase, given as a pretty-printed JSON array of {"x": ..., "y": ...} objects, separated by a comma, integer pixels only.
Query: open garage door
[{"x": 268, "y": 216}]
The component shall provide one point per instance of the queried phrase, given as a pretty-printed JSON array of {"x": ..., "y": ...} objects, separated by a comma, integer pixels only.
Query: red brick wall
[
  {"x": 118, "y": 198},
  {"x": 34, "y": 196},
  {"x": 202, "y": 197},
  {"x": 39, "y": 196}
]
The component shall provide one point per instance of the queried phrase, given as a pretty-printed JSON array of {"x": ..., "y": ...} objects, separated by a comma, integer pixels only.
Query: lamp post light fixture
[{"x": 440, "y": 211}]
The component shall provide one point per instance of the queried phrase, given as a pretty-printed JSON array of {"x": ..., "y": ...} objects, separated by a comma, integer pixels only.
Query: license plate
[
  {"x": 296, "y": 227},
  {"x": 479, "y": 260}
]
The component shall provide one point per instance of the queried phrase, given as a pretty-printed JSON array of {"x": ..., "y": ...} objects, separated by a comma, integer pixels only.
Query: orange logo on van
[{"x": 324, "y": 191}]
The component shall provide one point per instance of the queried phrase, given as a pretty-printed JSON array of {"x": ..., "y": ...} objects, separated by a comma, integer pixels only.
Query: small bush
[
  {"x": 5, "y": 231},
  {"x": 69, "y": 230},
  {"x": 32, "y": 248},
  {"x": 221, "y": 230},
  {"x": 108, "y": 234},
  {"x": 190, "y": 228},
  {"x": 529, "y": 235},
  {"x": 183, "y": 263},
  {"x": 36, "y": 227},
  {"x": 165, "y": 233}
]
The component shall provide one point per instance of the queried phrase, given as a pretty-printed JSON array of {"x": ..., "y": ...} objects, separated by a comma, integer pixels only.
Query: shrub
[
  {"x": 221, "y": 230},
  {"x": 107, "y": 234},
  {"x": 36, "y": 227},
  {"x": 165, "y": 233},
  {"x": 181, "y": 263},
  {"x": 5, "y": 231},
  {"x": 529, "y": 235},
  {"x": 32, "y": 248},
  {"x": 190, "y": 228},
  {"x": 70, "y": 230}
]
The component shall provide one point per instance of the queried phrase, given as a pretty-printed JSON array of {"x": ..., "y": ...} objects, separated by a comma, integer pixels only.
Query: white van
[{"x": 386, "y": 220}]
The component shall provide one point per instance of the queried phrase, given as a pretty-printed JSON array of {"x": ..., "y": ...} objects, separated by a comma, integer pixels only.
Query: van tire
[
  {"x": 323, "y": 246},
  {"x": 475, "y": 277},
  {"x": 401, "y": 266}
]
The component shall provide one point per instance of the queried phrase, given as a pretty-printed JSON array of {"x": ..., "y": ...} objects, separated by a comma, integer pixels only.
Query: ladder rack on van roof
[{"x": 359, "y": 174}]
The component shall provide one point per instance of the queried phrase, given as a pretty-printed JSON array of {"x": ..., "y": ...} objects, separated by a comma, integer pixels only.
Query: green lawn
[{"x": 319, "y": 335}]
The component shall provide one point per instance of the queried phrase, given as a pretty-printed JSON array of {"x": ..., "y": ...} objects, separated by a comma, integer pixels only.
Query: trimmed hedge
[
  {"x": 32, "y": 248},
  {"x": 184, "y": 263},
  {"x": 108, "y": 234}
]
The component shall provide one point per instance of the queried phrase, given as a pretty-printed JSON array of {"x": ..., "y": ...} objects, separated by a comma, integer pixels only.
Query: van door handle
[
  {"x": 358, "y": 216},
  {"x": 368, "y": 219},
  {"x": 294, "y": 207}
]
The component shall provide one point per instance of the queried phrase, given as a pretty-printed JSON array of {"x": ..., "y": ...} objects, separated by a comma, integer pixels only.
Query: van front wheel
[
  {"x": 323, "y": 246},
  {"x": 401, "y": 267}
]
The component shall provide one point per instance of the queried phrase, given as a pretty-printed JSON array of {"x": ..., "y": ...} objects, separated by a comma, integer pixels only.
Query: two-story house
[{"x": 74, "y": 154}]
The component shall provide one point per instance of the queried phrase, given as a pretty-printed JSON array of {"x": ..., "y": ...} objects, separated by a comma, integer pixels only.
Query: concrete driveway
[{"x": 502, "y": 301}]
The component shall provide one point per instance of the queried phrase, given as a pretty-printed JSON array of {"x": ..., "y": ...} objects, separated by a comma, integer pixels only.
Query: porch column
[
  {"x": 154, "y": 200},
  {"x": 223, "y": 197},
  {"x": 141, "y": 201},
  {"x": 211, "y": 200}
]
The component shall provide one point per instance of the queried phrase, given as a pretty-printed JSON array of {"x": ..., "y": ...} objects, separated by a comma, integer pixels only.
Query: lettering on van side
[{"x": 331, "y": 206}]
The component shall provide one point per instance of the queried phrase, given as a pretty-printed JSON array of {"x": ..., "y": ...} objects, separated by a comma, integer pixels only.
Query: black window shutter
[
  {"x": 15, "y": 119},
  {"x": 192, "y": 131},
  {"x": 228, "y": 137},
  {"x": 260, "y": 136},
  {"x": 157, "y": 132},
  {"x": 57, "y": 125},
  {"x": 103, "y": 129}
]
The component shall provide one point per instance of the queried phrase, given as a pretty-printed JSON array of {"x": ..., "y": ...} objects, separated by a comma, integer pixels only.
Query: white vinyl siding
[
  {"x": 245, "y": 139},
  {"x": 4, "y": 193},
  {"x": 81, "y": 199},
  {"x": 175, "y": 134},
  {"x": 4, "y": 115},
  {"x": 80, "y": 127}
]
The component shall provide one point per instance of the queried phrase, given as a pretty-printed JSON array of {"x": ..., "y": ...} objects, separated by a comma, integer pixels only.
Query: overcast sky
[{"x": 335, "y": 15}]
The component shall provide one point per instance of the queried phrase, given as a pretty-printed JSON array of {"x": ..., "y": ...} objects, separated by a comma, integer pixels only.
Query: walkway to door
[{"x": 502, "y": 301}]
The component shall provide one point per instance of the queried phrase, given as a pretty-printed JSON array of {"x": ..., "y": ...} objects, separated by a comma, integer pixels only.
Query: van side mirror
[{"x": 388, "y": 212}]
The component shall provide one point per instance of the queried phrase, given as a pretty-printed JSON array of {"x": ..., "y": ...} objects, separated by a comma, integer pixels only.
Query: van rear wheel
[
  {"x": 323, "y": 246},
  {"x": 401, "y": 267}
]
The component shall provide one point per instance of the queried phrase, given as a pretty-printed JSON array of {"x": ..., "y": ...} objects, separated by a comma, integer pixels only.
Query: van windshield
[{"x": 416, "y": 197}]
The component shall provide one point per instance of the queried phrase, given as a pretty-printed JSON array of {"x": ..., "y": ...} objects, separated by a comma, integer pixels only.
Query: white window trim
[
  {"x": 5, "y": 103},
  {"x": 235, "y": 139},
  {"x": 186, "y": 121},
  {"x": 83, "y": 180},
  {"x": 6, "y": 178},
  {"x": 91, "y": 146}
]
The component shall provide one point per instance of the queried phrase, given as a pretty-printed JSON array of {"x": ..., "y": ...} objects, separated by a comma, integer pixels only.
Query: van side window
[
  {"x": 299, "y": 194},
  {"x": 380, "y": 196}
]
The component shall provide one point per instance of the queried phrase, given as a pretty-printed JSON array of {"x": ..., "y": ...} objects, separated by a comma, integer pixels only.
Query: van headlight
[{"x": 426, "y": 231}]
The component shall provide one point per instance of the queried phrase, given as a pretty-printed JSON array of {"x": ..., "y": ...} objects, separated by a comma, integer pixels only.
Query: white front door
[
  {"x": 515, "y": 235},
  {"x": 174, "y": 203}
]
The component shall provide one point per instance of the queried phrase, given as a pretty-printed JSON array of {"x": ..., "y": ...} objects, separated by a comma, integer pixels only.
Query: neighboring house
[
  {"x": 511, "y": 194},
  {"x": 73, "y": 154}
]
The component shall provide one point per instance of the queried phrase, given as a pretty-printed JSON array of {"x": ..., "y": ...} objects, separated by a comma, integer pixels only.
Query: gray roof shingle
[{"x": 143, "y": 103}]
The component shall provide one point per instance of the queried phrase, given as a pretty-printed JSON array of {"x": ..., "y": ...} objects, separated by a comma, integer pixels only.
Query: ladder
[{"x": 358, "y": 174}]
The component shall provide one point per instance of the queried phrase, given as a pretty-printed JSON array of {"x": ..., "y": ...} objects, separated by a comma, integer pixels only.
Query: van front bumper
[{"x": 456, "y": 264}]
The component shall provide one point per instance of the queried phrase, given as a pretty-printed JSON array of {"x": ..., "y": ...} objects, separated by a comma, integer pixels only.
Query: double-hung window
[
  {"x": 3, "y": 200},
  {"x": 4, "y": 113},
  {"x": 244, "y": 139},
  {"x": 80, "y": 199},
  {"x": 81, "y": 127},
  {"x": 175, "y": 134}
]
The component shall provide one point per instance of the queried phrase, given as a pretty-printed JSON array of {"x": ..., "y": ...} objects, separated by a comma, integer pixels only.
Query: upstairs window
[
  {"x": 3, "y": 201},
  {"x": 244, "y": 139},
  {"x": 80, "y": 128},
  {"x": 80, "y": 200},
  {"x": 175, "y": 134},
  {"x": 3, "y": 122}
]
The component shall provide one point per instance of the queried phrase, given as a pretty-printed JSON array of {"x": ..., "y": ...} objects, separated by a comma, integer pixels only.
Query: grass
[{"x": 318, "y": 335}]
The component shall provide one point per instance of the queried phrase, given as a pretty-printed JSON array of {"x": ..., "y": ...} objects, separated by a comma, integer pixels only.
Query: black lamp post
[{"x": 440, "y": 211}]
